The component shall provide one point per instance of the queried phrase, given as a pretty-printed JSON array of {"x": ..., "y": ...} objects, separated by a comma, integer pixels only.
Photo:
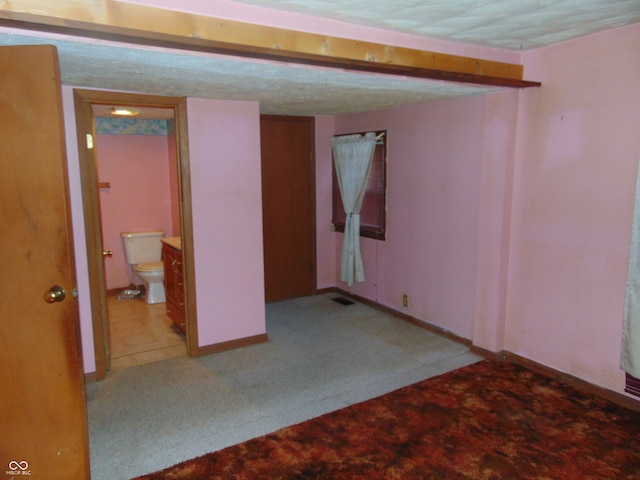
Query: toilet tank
[{"x": 142, "y": 247}]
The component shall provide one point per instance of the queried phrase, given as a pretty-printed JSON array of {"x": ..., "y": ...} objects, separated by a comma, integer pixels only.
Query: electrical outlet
[{"x": 405, "y": 300}]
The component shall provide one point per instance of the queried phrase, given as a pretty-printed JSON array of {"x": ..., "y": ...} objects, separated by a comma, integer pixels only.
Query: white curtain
[
  {"x": 631, "y": 329},
  {"x": 352, "y": 156}
]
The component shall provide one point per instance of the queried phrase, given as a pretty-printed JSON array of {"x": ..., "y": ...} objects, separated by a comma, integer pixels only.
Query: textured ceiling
[
  {"x": 286, "y": 89},
  {"x": 281, "y": 89},
  {"x": 508, "y": 24}
]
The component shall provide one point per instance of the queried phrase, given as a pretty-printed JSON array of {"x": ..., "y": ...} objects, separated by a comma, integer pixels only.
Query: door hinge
[{"x": 89, "y": 141}]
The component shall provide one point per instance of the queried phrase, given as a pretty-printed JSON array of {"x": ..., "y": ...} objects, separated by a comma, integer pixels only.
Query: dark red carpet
[{"x": 490, "y": 420}]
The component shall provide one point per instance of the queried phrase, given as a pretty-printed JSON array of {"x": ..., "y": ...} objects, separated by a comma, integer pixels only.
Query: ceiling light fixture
[{"x": 124, "y": 111}]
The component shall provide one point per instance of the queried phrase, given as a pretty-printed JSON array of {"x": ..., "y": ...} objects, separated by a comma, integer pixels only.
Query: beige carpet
[{"x": 321, "y": 356}]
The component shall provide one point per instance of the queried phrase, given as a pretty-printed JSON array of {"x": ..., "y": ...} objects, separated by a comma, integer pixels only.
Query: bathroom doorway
[{"x": 90, "y": 114}]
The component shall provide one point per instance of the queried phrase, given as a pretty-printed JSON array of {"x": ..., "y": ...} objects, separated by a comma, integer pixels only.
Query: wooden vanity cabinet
[{"x": 174, "y": 285}]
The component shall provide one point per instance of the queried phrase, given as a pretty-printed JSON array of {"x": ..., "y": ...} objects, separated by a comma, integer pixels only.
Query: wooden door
[
  {"x": 43, "y": 423},
  {"x": 288, "y": 204}
]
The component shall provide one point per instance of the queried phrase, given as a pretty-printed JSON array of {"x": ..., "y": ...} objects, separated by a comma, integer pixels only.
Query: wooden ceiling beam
[{"x": 136, "y": 24}]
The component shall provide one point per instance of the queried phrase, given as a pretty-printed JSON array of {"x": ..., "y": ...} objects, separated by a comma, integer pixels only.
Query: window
[
  {"x": 632, "y": 385},
  {"x": 373, "y": 213}
]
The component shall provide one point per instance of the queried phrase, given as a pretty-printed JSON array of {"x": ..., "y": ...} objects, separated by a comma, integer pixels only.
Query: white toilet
[{"x": 143, "y": 251}]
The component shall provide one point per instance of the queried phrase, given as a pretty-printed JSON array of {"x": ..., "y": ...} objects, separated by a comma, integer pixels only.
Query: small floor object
[{"x": 128, "y": 294}]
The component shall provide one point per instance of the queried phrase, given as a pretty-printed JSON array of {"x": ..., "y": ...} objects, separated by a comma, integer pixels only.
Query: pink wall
[
  {"x": 78, "y": 227},
  {"x": 510, "y": 215},
  {"x": 325, "y": 238},
  {"x": 554, "y": 286},
  {"x": 433, "y": 166},
  {"x": 577, "y": 158},
  {"x": 226, "y": 196},
  {"x": 227, "y": 221},
  {"x": 494, "y": 224},
  {"x": 138, "y": 169}
]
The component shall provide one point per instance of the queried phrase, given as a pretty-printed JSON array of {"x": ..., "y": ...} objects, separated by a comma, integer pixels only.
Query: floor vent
[
  {"x": 633, "y": 386},
  {"x": 343, "y": 301}
]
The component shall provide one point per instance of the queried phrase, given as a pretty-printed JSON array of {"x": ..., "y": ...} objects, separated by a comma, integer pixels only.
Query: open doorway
[
  {"x": 87, "y": 103},
  {"x": 136, "y": 162}
]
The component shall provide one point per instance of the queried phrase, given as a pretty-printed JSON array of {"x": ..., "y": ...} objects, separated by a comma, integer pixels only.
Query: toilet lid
[{"x": 149, "y": 267}]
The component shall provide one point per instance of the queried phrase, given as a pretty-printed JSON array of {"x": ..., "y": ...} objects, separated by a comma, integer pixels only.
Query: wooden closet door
[{"x": 288, "y": 203}]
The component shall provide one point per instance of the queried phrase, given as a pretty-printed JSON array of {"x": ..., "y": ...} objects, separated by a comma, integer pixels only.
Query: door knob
[
  {"x": 55, "y": 294},
  {"x": 107, "y": 253}
]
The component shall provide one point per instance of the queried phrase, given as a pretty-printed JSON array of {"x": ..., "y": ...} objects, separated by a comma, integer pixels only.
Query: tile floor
[{"x": 141, "y": 333}]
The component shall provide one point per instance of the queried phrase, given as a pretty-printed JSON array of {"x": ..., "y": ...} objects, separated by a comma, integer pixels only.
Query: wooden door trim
[
  {"x": 312, "y": 203},
  {"x": 92, "y": 229},
  {"x": 89, "y": 180}
]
